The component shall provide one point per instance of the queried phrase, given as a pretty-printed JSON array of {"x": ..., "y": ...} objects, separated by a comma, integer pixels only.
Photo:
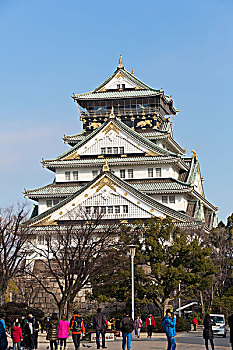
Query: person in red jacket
[
  {"x": 17, "y": 336},
  {"x": 194, "y": 324},
  {"x": 150, "y": 324}
]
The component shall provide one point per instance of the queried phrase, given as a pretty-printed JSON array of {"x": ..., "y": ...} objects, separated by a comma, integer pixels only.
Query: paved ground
[{"x": 185, "y": 341}]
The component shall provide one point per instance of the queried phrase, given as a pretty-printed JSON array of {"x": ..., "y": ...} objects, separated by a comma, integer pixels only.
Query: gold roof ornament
[
  {"x": 106, "y": 166},
  {"x": 112, "y": 113},
  {"x": 120, "y": 65},
  {"x": 194, "y": 153},
  {"x": 132, "y": 72}
]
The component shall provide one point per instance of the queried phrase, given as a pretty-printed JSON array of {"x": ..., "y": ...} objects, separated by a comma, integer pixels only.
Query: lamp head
[{"x": 132, "y": 249}]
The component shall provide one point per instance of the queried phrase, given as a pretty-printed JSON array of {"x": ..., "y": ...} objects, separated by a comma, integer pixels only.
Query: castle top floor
[{"x": 135, "y": 103}]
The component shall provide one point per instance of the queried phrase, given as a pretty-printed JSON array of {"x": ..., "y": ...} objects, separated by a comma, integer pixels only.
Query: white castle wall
[
  {"x": 139, "y": 172},
  {"x": 180, "y": 201}
]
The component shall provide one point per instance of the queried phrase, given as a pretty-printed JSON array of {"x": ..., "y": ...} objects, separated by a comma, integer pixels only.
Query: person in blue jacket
[
  {"x": 169, "y": 324},
  {"x": 3, "y": 339}
]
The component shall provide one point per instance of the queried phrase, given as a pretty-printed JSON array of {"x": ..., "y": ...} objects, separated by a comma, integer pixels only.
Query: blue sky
[{"x": 52, "y": 48}]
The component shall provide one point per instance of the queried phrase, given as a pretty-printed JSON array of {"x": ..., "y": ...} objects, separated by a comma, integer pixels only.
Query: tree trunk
[
  {"x": 202, "y": 304},
  {"x": 2, "y": 297},
  {"x": 70, "y": 307},
  {"x": 165, "y": 306}
]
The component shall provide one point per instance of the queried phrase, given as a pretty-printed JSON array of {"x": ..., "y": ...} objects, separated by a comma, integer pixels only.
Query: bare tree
[
  {"x": 14, "y": 236},
  {"x": 73, "y": 253}
]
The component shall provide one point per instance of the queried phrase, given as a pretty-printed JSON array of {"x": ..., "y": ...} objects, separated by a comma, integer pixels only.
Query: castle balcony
[{"x": 120, "y": 112}]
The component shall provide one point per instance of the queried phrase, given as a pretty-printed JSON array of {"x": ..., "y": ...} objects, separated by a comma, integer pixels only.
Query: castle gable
[
  {"x": 114, "y": 138},
  {"x": 109, "y": 196}
]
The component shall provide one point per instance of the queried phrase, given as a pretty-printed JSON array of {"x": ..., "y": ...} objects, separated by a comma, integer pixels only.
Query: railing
[{"x": 121, "y": 112}]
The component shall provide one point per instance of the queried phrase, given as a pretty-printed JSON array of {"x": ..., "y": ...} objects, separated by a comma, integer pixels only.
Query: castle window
[
  {"x": 103, "y": 210},
  {"x": 41, "y": 239},
  {"x": 49, "y": 203},
  {"x": 118, "y": 86},
  {"x": 55, "y": 201},
  {"x": 117, "y": 209},
  {"x": 103, "y": 150},
  {"x": 150, "y": 172},
  {"x": 123, "y": 86},
  {"x": 172, "y": 199},
  {"x": 110, "y": 210},
  {"x": 75, "y": 175},
  {"x": 115, "y": 150},
  {"x": 164, "y": 199},
  {"x": 122, "y": 173},
  {"x": 94, "y": 173},
  {"x": 121, "y": 150},
  {"x": 96, "y": 210},
  {"x": 125, "y": 209},
  {"x": 67, "y": 175},
  {"x": 109, "y": 149},
  {"x": 130, "y": 173},
  {"x": 158, "y": 172},
  {"x": 88, "y": 210}
]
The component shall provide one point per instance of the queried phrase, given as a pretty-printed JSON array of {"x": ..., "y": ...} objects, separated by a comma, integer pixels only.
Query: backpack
[{"x": 77, "y": 324}]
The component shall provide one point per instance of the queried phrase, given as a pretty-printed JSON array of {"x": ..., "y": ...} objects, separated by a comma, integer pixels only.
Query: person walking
[
  {"x": 138, "y": 325},
  {"x": 17, "y": 336},
  {"x": 169, "y": 324},
  {"x": 24, "y": 342},
  {"x": 77, "y": 327},
  {"x": 194, "y": 323},
  {"x": 150, "y": 324},
  {"x": 63, "y": 331},
  {"x": 208, "y": 332},
  {"x": 32, "y": 329},
  {"x": 230, "y": 322},
  {"x": 99, "y": 325},
  {"x": 3, "y": 337},
  {"x": 52, "y": 334},
  {"x": 126, "y": 327}
]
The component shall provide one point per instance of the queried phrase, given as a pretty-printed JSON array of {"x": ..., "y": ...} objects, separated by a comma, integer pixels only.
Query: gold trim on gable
[
  {"x": 45, "y": 222},
  {"x": 120, "y": 75},
  {"x": 72, "y": 156},
  {"x": 102, "y": 90},
  {"x": 151, "y": 153},
  {"x": 105, "y": 181},
  {"x": 110, "y": 127}
]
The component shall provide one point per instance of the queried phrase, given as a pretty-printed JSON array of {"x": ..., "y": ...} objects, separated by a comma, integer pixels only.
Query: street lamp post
[
  {"x": 132, "y": 251},
  {"x": 179, "y": 302}
]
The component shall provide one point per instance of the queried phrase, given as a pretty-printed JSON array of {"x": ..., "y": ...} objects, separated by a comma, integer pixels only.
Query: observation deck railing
[{"x": 122, "y": 112}]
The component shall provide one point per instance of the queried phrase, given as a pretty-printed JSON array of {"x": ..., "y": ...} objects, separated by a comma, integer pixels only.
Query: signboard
[{"x": 109, "y": 336}]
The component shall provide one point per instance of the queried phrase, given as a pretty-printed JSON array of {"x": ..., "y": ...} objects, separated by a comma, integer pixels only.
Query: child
[{"x": 17, "y": 336}]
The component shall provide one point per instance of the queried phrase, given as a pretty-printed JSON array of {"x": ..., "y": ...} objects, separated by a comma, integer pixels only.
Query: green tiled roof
[
  {"x": 56, "y": 163},
  {"x": 163, "y": 185},
  {"x": 54, "y": 190},
  {"x": 66, "y": 189},
  {"x": 159, "y": 206},
  {"x": 115, "y": 94}
]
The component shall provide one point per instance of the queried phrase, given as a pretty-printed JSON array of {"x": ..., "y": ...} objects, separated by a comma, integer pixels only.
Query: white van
[{"x": 220, "y": 325}]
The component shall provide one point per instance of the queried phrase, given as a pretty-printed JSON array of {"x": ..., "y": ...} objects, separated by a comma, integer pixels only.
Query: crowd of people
[{"x": 24, "y": 331}]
